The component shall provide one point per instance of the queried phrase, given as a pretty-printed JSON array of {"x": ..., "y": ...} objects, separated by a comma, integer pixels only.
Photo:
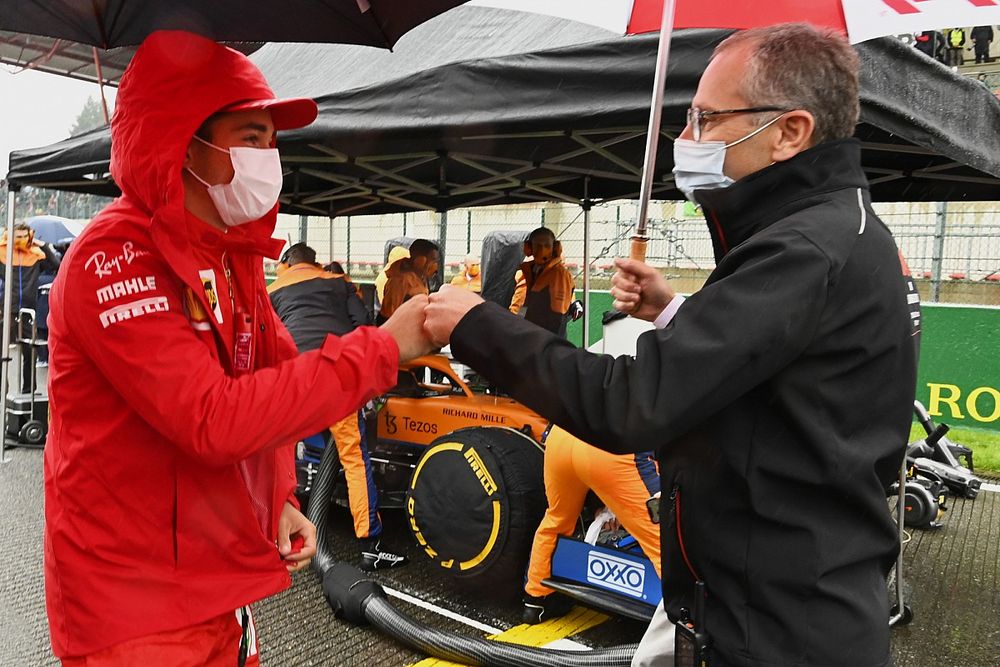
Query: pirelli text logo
[
  {"x": 479, "y": 468},
  {"x": 618, "y": 574},
  {"x": 129, "y": 311}
]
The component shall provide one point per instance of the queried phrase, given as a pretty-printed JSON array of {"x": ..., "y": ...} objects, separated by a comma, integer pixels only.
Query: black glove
[{"x": 575, "y": 311}]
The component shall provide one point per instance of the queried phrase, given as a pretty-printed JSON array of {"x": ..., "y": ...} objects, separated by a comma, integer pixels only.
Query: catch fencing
[{"x": 953, "y": 249}]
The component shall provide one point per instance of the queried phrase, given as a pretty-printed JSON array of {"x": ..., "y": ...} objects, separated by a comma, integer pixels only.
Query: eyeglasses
[{"x": 695, "y": 116}]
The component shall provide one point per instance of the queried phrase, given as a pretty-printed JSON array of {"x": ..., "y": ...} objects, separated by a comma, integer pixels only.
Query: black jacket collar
[{"x": 739, "y": 211}]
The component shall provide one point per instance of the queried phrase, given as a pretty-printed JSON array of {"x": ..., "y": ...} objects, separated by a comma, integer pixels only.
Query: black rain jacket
[{"x": 779, "y": 402}]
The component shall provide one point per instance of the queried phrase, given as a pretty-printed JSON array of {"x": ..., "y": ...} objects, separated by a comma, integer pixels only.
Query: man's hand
[
  {"x": 639, "y": 290},
  {"x": 446, "y": 309},
  {"x": 407, "y": 326},
  {"x": 292, "y": 524}
]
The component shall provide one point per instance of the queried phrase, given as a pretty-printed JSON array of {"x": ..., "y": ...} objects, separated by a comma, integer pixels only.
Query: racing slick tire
[{"x": 474, "y": 502}]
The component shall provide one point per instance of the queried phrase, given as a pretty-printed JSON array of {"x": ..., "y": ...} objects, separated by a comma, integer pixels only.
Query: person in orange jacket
[
  {"x": 623, "y": 482},
  {"x": 31, "y": 258},
  {"x": 397, "y": 253},
  {"x": 548, "y": 283},
  {"x": 409, "y": 277},
  {"x": 520, "y": 291},
  {"x": 469, "y": 277},
  {"x": 176, "y": 394},
  {"x": 312, "y": 303}
]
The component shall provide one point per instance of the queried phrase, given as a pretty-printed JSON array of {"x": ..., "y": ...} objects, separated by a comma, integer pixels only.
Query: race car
[{"x": 466, "y": 467}]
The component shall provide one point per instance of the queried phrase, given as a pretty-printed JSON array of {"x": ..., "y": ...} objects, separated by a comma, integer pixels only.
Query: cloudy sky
[{"x": 37, "y": 109}]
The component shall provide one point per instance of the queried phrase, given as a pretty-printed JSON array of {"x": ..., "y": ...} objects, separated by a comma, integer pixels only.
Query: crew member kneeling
[{"x": 623, "y": 482}]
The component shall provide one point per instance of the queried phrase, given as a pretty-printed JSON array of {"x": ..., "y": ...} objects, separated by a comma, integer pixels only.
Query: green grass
[{"x": 985, "y": 445}]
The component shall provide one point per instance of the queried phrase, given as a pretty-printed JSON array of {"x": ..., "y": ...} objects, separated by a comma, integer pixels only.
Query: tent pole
[
  {"x": 638, "y": 250},
  {"x": 331, "y": 241},
  {"x": 100, "y": 86},
  {"x": 5, "y": 359},
  {"x": 442, "y": 191},
  {"x": 937, "y": 253},
  {"x": 586, "y": 261},
  {"x": 303, "y": 229},
  {"x": 442, "y": 240}
]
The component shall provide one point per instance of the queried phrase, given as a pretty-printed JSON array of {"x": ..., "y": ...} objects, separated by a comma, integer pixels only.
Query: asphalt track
[{"x": 952, "y": 581}]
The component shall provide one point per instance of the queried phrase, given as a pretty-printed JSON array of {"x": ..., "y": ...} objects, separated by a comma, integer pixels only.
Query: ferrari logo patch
[
  {"x": 207, "y": 277},
  {"x": 196, "y": 312}
]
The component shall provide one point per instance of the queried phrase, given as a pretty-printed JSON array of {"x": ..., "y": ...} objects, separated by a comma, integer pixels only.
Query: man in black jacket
[
  {"x": 981, "y": 36},
  {"x": 779, "y": 396}
]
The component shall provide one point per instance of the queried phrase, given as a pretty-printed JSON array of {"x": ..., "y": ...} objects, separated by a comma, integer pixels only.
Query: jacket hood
[{"x": 173, "y": 84}]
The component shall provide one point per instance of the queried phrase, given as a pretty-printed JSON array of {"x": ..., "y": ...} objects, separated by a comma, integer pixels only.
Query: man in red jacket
[{"x": 176, "y": 393}]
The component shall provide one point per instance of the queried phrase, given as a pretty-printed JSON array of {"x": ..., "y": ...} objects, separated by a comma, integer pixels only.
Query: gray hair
[{"x": 799, "y": 66}]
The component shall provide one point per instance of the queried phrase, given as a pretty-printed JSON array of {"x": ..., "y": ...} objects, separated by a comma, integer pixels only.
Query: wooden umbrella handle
[{"x": 637, "y": 251}]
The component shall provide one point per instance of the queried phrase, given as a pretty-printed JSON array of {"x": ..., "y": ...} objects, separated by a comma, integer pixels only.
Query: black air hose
[
  {"x": 359, "y": 599},
  {"x": 319, "y": 505}
]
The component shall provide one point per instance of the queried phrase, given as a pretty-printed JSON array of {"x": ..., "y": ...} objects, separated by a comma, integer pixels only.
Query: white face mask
[
  {"x": 255, "y": 187},
  {"x": 698, "y": 164}
]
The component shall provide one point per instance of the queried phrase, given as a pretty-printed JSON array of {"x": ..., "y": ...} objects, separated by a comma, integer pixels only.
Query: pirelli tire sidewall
[{"x": 475, "y": 501}]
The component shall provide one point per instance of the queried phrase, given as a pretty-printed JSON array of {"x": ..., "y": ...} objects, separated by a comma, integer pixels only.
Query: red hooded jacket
[{"x": 166, "y": 469}]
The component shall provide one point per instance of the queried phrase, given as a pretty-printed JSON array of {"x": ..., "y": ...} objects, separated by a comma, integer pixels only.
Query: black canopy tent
[
  {"x": 482, "y": 106},
  {"x": 558, "y": 124},
  {"x": 474, "y": 109}
]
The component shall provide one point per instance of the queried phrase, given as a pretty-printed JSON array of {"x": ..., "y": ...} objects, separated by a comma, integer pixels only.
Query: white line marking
[
  {"x": 990, "y": 487},
  {"x": 447, "y": 613},
  {"x": 567, "y": 645}
]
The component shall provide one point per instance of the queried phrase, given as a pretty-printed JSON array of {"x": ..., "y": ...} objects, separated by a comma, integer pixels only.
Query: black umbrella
[{"x": 112, "y": 23}]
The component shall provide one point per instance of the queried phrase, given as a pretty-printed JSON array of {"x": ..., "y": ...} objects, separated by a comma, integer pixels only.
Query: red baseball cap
[{"x": 286, "y": 114}]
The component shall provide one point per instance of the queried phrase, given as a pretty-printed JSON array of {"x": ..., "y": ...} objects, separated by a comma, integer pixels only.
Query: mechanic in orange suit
[
  {"x": 623, "y": 482},
  {"x": 313, "y": 303},
  {"x": 469, "y": 277},
  {"x": 548, "y": 283},
  {"x": 520, "y": 290},
  {"x": 409, "y": 277}
]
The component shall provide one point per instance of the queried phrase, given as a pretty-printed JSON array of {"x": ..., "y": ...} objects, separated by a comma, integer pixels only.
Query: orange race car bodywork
[{"x": 432, "y": 400}]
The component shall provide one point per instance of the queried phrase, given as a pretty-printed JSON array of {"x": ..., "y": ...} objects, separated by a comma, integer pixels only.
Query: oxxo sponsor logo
[
  {"x": 618, "y": 574},
  {"x": 126, "y": 288}
]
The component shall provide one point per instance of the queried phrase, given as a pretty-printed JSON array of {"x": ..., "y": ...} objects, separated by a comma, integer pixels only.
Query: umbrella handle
[{"x": 637, "y": 251}]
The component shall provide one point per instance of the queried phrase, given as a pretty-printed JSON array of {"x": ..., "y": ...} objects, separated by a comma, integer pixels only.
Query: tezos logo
[{"x": 617, "y": 574}]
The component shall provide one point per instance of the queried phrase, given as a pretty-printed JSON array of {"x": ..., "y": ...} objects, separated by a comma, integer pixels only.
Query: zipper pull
[{"x": 228, "y": 274}]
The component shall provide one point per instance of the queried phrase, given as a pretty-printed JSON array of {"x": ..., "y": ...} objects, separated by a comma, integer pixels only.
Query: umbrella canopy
[
  {"x": 112, "y": 23},
  {"x": 634, "y": 17},
  {"x": 861, "y": 20},
  {"x": 54, "y": 229}
]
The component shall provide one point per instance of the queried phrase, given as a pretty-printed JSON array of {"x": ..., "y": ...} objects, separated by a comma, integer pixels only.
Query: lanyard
[{"x": 243, "y": 347}]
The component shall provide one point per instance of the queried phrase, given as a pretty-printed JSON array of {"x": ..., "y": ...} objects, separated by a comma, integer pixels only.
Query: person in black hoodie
[{"x": 778, "y": 397}]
